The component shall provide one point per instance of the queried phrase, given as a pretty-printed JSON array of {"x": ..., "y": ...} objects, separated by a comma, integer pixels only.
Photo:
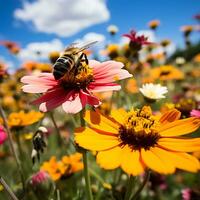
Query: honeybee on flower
[{"x": 73, "y": 82}]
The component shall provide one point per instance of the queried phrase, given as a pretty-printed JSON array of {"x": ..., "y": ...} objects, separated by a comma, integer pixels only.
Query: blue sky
[{"x": 126, "y": 14}]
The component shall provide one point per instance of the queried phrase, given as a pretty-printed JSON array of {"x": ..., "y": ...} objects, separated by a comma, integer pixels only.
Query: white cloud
[
  {"x": 39, "y": 51},
  {"x": 63, "y": 17},
  {"x": 91, "y": 37},
  {"x": 147, "y": 33}
]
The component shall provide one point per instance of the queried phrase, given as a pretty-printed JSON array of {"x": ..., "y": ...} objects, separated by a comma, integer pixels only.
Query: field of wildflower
[{"x": 123, "y": 128}]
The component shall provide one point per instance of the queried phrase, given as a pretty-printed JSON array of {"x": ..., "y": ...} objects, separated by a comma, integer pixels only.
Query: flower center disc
[
  {"x": 78, "y": 78},
  {"x": 140, "y": 129}
]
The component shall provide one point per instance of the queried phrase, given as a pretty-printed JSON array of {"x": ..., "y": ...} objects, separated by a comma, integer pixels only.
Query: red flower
[{"x": 137, "y": 41}]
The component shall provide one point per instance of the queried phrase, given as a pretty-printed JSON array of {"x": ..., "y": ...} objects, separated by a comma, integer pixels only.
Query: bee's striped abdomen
[{"x": 62, "y": 65}]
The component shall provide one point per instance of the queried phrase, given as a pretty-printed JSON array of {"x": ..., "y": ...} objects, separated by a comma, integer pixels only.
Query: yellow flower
[
  {"x": 154, "y": 24},
  {"x": 21, "y": 119},
  {"x": 166, "y": 72},
  {"x": 53, "y": 56},
  {"x": 197, "y": 58},
  {"x": 112, "y": 50},
  {"x": 138, "y": 140},
  {"x": 165, "y": 42},
  {"x": 67, "y": 166},
  {"x": 187, "y": 29}
]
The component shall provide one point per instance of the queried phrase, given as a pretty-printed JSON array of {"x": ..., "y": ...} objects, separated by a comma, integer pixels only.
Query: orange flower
[
  {"x": 154, "y": 24},
  {"x": 138, "y": 140},
  {"x": 197, "y": 58},
  {"x": 187, "y": 29},
  {"x": 132, "y": 86},
  {"x": 63, "y": 168},
  {"x": 21, "y": 119},
  {"x": 166, "y": 72}
]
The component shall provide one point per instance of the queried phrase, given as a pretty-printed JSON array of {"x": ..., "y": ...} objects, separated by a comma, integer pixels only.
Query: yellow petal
[
  {"x": 180, "y": 127},
  {"x": 97, "y": 120},
  {"x": 170, "y": 116},
  {"x": 183, "y": 145},
  {"x": 131, "y": 163},
  {"x": 110, "y": 159},
  {"x": 119, "y": 115},
  {"x": 157, "y": 161},
  {"x": 91, "y": 140},
  {"x": 183, "y": 161}
]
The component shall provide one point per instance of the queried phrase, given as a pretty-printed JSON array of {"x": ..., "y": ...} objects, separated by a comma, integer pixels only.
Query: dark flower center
[{"x": 139, "y": 130}]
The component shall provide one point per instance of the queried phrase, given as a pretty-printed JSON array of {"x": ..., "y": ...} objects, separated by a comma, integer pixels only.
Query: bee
[
  {"x": 70, "y": 60},
  {"x": 38, "y": 143}
]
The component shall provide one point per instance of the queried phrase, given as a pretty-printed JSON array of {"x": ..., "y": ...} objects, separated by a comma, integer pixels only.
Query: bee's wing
[
  {"x": 86, "y": 46},
  {"x": 72, "y": 45}
]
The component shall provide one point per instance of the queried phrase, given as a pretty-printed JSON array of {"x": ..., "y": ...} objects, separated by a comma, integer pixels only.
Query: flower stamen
[{"x": 140, "y": 129}]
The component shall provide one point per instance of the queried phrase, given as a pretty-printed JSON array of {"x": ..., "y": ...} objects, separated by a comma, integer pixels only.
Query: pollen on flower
[
  {"x": 140, "y": 129},
  {"x": 116, "y": 78},
  {"x": 80, "y": 79}
]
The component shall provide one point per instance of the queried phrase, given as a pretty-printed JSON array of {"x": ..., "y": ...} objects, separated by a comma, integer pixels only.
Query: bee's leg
[
  {"x": 79, "y": 61},
  {"x": 83, "y": 58}
]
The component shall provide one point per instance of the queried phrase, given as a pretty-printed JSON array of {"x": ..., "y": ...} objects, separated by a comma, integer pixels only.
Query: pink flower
[
  {"x": 195, "y": 113},
  {"x": 186, "y": 194},
  {"x": 3, "y": 135},
  {"x": 39, "y": 178},
  {"x": 73, "y": 92}
]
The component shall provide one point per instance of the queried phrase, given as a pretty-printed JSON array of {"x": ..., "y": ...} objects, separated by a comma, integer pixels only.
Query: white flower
[
  {"x": 112, "y": 29},
  {"x": 180, "y": 60},
  {"x": 153, "y": 91}
]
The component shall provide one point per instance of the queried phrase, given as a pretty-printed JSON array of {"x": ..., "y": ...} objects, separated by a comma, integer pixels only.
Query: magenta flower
[
  {"x": 195, "y": 113},
  {"x": 186, "y": 194},
  {"x": 38, "y": 178},
  {"x": 3, "y": 135},
  {"x": 74, "y": 92},
  {"x": 137, "y": 41}
]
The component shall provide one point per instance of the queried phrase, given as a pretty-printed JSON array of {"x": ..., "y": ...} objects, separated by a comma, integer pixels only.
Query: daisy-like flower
[
  {"x": 153, "y": 91},
  {"x": 67, "y": 166},
  {"x": 75, "y": 90},
  {"x": 166, "y": 72},
  {"x": 137, "y": 41},
  {"x": 22, "y": 119},
  {"x": 137, "y": 140}
]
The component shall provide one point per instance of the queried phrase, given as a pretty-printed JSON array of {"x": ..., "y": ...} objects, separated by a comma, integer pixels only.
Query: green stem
[
  {"x": 85, "y": 163},
  {"x": 19, "y": 167},
  {"x": 129, "y": 189},
  {"x": 56, "y": 128},
  {"x": 58, "y": 194},
  {"x": 7, "y": 188},
  {"x": 146, "y": 178},
  {"x": 86, "y": 175}
]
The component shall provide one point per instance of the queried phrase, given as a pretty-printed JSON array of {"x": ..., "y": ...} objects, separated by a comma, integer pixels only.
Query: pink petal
[
  {"x": 59, "y": 98},
  {"x": 73, "y": 105},
  {"x": 105, "y": 67},
  {"x": 35, "y": 88},
  {"x": 102, "y": 87},
  {"x": 41, "y": 79},
  {"x": 111, "y": 76}
]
